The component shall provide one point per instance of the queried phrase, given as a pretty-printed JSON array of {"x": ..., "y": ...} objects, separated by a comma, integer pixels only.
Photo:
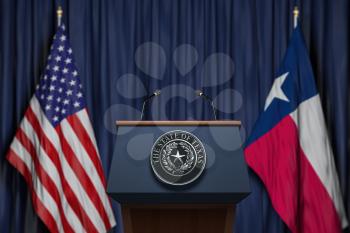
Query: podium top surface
[{"x": 179, "y": 123}]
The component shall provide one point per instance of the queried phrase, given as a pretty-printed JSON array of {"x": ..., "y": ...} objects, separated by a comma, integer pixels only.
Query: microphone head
[
  {"x": 199, "y": 92},
  {"x": 157, "y": 92}
]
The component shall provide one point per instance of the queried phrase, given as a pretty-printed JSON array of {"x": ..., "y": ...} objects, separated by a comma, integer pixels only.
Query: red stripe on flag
[
  {"x": 86, "y": 141},
  {"x": 44, "y": 177},
  {"x": 295, "y": 190},
  {"x": 54, "y": 156},
  {"x": 83, "y": 177},
  {"x": 39, "y": 207}
]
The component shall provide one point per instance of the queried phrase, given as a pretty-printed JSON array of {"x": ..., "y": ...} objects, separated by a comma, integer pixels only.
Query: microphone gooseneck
[
  {"x": 200, "y": 93},
  {"x": 155, "y": 93}
]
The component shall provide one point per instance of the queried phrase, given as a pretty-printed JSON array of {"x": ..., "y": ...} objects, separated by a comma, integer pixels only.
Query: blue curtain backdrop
[{"x": 125, "y": 49}]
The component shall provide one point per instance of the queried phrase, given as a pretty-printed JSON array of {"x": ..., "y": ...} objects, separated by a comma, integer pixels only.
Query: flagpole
[
  {"x": 59, "y": 15},
  {"x": 296, "y": 15}
]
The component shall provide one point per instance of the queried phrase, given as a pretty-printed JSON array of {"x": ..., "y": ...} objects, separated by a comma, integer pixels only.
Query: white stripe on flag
[
  {"x": 38, "y": 188},
  {"x": 52, "y": 172},
  {"x": 85, "y": 121},
  {"x": 86, "y": 162},
  {"x": 81, "y": 194},
  {"x": 71, "y": 177},
  {"x": 316, "y": 146}
]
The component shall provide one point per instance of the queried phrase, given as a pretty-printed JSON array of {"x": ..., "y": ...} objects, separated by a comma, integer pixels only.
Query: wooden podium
[
  {"x": 178, "y": 218},
  {"x": 206, "y": 205}
]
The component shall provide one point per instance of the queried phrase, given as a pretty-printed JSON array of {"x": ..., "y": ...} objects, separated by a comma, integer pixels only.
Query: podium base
[{"x": 178, "y": 218}]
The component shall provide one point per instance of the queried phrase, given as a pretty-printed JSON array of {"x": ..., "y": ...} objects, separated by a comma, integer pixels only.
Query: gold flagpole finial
[
  {"x": 296, "y": 15},
  {"x": 296, "y": 11},
  {"x": 59, "y": 15}
]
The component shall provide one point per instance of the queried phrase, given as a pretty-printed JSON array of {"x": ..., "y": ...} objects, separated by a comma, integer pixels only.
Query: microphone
[
  {"x": 155, "y": 93},
  {"x": 200, "y": 93}
]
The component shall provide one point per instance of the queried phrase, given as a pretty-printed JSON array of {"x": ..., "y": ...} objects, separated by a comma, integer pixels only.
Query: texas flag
[{"x": 290, "y": 151}]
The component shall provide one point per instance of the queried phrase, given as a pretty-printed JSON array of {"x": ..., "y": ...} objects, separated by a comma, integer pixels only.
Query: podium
[{"x": 178, "y": 176}]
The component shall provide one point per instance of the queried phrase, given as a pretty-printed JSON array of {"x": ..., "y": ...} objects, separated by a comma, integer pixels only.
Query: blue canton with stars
[{"x": 60, "y": 91}]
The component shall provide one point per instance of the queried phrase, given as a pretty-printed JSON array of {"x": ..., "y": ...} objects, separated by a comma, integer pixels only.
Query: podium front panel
[{"x": 224, "y": 179}]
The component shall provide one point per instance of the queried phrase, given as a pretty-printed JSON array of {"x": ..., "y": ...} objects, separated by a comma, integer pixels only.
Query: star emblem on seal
[{"x": 178, "y": 157}]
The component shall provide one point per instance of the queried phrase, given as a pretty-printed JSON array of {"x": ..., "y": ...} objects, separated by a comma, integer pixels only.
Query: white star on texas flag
[{"x": 276, "y": 91}]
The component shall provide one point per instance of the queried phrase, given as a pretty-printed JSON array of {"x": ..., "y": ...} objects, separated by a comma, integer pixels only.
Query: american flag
[{"x": 55, "y": 150}]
